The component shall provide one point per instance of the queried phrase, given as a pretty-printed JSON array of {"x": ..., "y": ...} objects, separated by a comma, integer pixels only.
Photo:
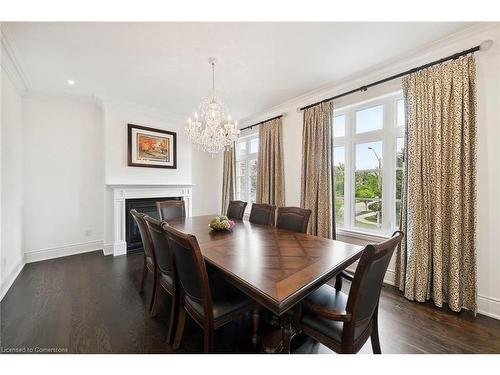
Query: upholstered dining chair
[
  {"x": 262, "y": 214},
  {"x": 172, "y": 209},
  {"x": 343, "y": 322},
  {"x": 236, "y": 209},
  {"x": 166, "y": 277},
  {"x": 211, "y": 302},
  {"x": 293, "y": 218},
  {"x": 149, "y": 256}
]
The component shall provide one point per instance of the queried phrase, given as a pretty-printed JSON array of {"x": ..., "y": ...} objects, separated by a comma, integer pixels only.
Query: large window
[
  {"x": 247, "y": 149},
  {"x": 368, "y": 164}
]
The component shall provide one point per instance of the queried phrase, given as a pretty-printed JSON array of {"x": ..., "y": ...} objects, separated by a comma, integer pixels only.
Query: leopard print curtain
[
  {"x": 317, "y": 176},
  {"x": 437, "y": 259}
]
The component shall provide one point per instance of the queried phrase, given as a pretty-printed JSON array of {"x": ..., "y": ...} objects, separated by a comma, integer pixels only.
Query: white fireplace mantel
[{"x": 123, "y": 192}]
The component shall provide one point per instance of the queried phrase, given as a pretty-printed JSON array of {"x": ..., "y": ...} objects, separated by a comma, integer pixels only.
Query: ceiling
[{"x": 164, "y": 65}]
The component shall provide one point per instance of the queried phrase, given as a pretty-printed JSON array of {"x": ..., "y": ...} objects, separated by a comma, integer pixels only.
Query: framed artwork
[{"x": 152, "y": 148}]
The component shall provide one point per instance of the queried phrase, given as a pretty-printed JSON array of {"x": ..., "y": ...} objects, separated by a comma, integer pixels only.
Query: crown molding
[
  {"x": 447, "y": 45},
  {"x": 11, "y": 62}
]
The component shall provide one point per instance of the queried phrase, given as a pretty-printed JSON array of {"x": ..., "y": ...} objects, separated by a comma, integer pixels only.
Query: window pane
[
  {"x": 254, "y": 145},
  {"x": 241, "y": 168},
  {"x": 241, "y": 149},
  {"x": 399, "y": 152},
  {"x": 339, "y": 126},
  {"x": 400, "y": 115},
  {"x": 370, "y": 119},
  {"x": 368, "y": 185},
  {"x": 398, "y": 214},
  {"x": 252, "y": 165},
  {"x": 338, "y": 171}
]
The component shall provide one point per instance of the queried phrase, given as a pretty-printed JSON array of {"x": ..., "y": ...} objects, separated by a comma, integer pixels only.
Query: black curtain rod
[
  {"x": 259, "y": 123},
  {"x": 364, "y": 88}
]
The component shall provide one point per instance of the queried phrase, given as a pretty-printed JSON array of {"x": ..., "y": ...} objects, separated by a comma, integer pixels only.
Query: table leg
[
  {"x": 255, "y": 328},
  {"x": 286, "y": 332}
]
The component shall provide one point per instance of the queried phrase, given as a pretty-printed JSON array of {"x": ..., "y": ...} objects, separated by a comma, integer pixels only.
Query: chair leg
[
  {"x": 208, "y": 340},
  {"x": 181, "y": 320},
  {"x": 154, "y": 297},
  {"x": 144, "y": 273},
  {"x": 173, "y": 317},
  {"x": 255, "y": 327},
  {"x": 374, "y": 336},
  {"x": 154, "y": 293},
  {"x": 338, "y": 282}
]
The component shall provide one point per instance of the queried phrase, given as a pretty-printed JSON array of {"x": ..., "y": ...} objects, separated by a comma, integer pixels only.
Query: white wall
[
  {"x": 116, "y": 118},
  {"x": 207, "y": 181},
  {"x": 63, "y": 176},
  {"x": 11, "y": 245},
  {"x": 488, "y": 172}
]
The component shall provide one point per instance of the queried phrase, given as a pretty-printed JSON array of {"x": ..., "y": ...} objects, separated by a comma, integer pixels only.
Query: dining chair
[
  {"x": 171, "y": 209},
  {"x": 210, "y": 302},
  {"x": 343, "y": 322},
  {"x": 166, "y": 278},
  {"x": 293, "y": 218},
  {"x": 236, "y": 209},
  {"x": 149, "y": 256},
  {"x": 262, "y": 214}
]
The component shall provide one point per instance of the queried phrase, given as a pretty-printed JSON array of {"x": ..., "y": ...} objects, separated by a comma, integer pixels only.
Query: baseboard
[
  {"x": 9, "y": 280},
  {"x": 488, "y": 306},
  {"x": 62, "y": 251},
  {"x": 107, "y": 249}
]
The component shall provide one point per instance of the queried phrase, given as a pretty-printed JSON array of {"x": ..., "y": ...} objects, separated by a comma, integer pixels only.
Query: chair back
[
  {"x": 190, "y": 266},
  {"x": 367, "y": 283},
  {"x": 161, "y": 250},
  {"x": 236, "y": 209},
  {"x": 144, "y": 232},
  {"x": 293, "y": 218},
  {"x": 170, "y": 210},
  {"x": 262, "y": 214}
]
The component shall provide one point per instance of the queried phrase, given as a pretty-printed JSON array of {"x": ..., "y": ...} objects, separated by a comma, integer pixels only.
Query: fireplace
[
  {"x": 118, "y": 216},
  {"x": 146, "y": 206}
]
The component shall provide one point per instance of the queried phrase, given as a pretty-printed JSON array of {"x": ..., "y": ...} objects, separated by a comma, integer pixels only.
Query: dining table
[{"x": 276, "y": 267}]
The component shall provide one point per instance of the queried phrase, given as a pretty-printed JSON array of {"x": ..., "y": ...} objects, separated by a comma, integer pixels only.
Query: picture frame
[{"x": 151, "y": 148}]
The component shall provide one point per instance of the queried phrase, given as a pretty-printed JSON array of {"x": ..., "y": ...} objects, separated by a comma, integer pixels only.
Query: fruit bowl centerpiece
[{"x": 221, "y": 223}]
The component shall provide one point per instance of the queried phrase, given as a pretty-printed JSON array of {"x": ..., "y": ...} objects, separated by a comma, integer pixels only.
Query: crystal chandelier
[{"x": 211, "y": 128}]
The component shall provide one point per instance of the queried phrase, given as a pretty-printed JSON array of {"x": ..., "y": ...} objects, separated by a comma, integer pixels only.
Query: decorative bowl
[{"x": 221, "y": 224}]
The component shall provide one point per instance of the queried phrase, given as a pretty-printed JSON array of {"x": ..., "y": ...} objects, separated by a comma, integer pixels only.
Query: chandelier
[{"x": 211, "y": 129}]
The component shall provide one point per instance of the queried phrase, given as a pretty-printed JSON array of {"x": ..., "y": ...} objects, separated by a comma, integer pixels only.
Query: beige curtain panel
[
  {"x": 438, "y": 257},
  {"x": 270, "y": 170},
  {"x": 316, "y": 193},
  {"x": 228, "y": 178}
]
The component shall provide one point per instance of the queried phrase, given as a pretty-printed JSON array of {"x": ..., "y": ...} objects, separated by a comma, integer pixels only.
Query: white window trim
[{"x": 387, "y": 135}]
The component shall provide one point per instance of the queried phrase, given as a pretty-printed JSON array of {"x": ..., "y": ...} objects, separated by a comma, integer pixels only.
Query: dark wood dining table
[{"x": 276, "y": 267}]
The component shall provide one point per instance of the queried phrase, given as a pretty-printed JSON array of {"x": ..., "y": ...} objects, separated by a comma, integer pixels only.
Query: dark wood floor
[{"x": 89, "y": 303}]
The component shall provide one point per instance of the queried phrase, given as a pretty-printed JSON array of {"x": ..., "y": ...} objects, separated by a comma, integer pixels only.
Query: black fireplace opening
[{"x": 146, "y": 206}]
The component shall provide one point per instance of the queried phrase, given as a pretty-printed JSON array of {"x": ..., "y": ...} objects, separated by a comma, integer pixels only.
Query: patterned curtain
[
  {"x": 228, "y": 178},
  {"x": 437, "y": 259},
  {"x": 270, "y": 170},
  {"x": 316, "y": 193}
]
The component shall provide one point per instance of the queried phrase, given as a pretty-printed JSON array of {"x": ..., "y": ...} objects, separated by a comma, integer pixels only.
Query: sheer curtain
[{"x": 437, "y": 259}]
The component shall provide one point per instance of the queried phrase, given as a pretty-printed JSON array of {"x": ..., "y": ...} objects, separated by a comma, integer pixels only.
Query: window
[
  {"x": 368, "y": 164},
  {"x": 247, "y": 149}
]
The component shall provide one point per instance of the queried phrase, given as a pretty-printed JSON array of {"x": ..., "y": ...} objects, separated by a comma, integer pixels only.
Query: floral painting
[{"x": 150, "y": 147}]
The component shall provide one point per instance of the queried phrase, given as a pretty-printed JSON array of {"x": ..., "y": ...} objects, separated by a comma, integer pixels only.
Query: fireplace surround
[{"x": 117, "y": 245}]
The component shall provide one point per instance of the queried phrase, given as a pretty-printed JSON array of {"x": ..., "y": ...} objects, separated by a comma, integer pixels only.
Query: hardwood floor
[{"x": 89, "y": 303}]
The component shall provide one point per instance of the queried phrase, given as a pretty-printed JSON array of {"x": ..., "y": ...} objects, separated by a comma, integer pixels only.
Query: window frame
[
  {"x": 388, "y": 136},
  {"x": 247, "y": 158}
]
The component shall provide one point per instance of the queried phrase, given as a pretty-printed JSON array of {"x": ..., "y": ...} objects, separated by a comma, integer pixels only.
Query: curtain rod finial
[{"x": 485, "y": 45}]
